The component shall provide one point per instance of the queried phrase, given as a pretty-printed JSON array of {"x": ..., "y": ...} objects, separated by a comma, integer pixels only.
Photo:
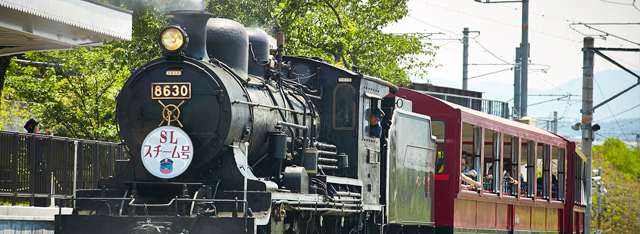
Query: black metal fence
[
  {"x": 35, "y": 166},
  {"x": 492, "y": 107}
]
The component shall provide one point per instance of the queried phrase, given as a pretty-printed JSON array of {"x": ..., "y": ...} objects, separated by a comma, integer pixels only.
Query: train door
[{"x": 411, "y": 165}]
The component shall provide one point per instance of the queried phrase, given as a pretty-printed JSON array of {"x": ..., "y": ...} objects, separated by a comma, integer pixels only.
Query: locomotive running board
[{"x": 98, "y": 224}]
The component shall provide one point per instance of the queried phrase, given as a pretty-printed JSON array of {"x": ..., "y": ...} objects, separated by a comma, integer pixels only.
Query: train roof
[
  {"x": 428, "y": 105},
  {"x": 392, "y": 88}
]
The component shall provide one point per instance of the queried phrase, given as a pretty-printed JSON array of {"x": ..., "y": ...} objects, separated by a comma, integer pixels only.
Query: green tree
[
  {"x": 345, "y": 32},
  {"x": 76, "y": 97},
  {"x": 4, "y": 64},
  {"x": 620, "y": 205},
  {"x": 616, "y": 153},
  {"x": 74, "y": 94}
]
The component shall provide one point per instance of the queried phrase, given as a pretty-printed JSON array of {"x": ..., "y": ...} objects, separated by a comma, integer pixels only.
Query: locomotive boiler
[{"x": 228, "y": 135}]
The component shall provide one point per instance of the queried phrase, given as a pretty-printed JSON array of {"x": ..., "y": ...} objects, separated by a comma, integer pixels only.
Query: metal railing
[
  {"x": 492, "y": 107},
  {"x": 41, "y": 166}
]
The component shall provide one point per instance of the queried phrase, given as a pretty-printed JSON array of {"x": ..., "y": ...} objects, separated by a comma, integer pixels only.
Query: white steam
[{"x": 174, "y": 5}]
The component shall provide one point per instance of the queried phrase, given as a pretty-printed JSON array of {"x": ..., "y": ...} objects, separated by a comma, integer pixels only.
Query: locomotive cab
[{"x": 381, "y": 166}]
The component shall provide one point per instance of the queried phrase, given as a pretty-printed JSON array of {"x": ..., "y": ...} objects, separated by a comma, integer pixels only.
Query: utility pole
[
  {"x": 516, "y": 84},
  {"x": 524, "y": 54},
  {"x": 525, "y": 57},
  {"x": 465, "y": 57},
  {"x": 555, "y": 122},
  {"x": 587, "y": 117}
]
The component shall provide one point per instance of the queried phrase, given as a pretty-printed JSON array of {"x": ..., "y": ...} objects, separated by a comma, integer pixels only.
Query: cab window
[
  {"x": 368, "y": 105},
  {"x": 344, "y": 107}
]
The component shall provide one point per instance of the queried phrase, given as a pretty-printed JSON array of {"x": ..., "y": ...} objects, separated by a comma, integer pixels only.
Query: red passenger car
[{"x": 530, "y": 180}]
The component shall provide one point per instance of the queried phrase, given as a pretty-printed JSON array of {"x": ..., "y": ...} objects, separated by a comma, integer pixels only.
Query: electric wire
[
  {"x": 608, "y": 130},
  {"x": 535, "y": 13},
  {"x": 481, "y": 60},
  {"x": 490, "y": 73},
  {"x": 605, "y": 33},
  {"x": 609, "y": 107},
  {"x": 513, "y": 25},
  {"x": 458, "y": 52},
  {"x": 573, "y": 21},
  {"x": 631, "y": 122},
  {"x": 619, "y": 3},
  {"x": 553, "y": 86},
  {"x": 550, "y": 100},
  {"x": 499, "y": 22},
  {"x": 488, "y": 51},
  {"x": 422, "y": 21},
  {"x": 620, "y": 112},
  {"x": 541, "y": 86},
  {"x": 636, "y": 66}
]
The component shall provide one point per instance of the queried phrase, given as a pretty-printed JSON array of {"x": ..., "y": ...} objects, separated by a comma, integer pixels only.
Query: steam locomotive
[{"x": 229, "y": 135}]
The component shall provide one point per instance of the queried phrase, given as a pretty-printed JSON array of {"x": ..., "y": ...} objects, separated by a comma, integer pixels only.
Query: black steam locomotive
[{"x": 228, "y": 135}]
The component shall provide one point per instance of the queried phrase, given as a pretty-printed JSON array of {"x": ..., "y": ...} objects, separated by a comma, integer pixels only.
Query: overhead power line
[
  {"x": 422, "y": 21},
  {"x": 606, "y": 34},
  {"x": 620, "y": 112},
  {"x": 488, "y": 51},
  {"x": 609, "y": 107},
  {"x": 550, "y": 100},
  {"x": 620, "y": 3},
  {"x": 494, "y": 72},
  {"x": 500, "y": 22}
]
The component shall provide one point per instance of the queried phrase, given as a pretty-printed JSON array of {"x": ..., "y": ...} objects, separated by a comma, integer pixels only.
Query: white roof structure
[{"x": 43, "y": 25}]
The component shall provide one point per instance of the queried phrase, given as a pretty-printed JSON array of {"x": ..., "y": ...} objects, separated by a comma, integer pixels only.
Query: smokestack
[{"x": 194, "y": 23}]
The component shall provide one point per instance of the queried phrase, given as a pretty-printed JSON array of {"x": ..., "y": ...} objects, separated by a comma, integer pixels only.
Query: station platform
[{"x": 28, "y": 219}]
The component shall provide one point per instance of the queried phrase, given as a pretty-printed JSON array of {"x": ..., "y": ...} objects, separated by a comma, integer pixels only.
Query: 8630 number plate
[{"x": 171, "y": 90}]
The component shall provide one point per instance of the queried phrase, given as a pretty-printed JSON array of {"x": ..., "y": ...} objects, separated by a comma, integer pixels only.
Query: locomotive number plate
[{"x": 171, "y": 90}]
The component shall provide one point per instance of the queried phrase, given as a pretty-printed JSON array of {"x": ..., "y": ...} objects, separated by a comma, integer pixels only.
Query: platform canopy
[{"x": 44, "y": 25}]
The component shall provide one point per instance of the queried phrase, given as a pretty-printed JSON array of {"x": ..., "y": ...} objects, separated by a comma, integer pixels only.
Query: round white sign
[{"x": 167, "y": 152}]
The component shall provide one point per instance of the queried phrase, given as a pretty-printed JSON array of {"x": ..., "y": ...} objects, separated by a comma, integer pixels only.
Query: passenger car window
[{"x": 439, "y": 131}]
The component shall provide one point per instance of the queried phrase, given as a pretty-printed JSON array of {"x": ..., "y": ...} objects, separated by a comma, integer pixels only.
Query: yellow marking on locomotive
[
  {"x": 344, "y": 80},
  {"x": 171, "y": 90},
  {"x": 170, "y": 113},
  {"x": 173, "y": 73}
]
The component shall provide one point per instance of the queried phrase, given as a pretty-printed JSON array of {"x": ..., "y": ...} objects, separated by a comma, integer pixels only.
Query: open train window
[
  {"x": 531, "y": 168},
  {"x": 511, "y": 173},
  {"x": 470, "y": 162},
  {"x": 527, "y": 167},
  {"x": 494, "y": 151},
  {"x": 369, "y": 104},
  {"x": 344, "y": 107},
  {"x": 438, "y": 128},
  {"x": 559, "y": 162},
  {"x": 544, "y": 163},
  {"x": 579, "y": 180}
]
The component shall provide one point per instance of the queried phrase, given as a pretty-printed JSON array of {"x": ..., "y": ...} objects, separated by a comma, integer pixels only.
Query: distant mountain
[{"x": 607, "y": 83}]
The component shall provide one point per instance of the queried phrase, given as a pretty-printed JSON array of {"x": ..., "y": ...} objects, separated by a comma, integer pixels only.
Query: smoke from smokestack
[
  {"x": 175, "y": 5},
  {"x": 197, "y": 5}
]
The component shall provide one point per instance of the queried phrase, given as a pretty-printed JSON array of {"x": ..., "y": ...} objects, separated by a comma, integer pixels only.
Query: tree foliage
[
  {"x": 616, "y": 153},
  {"x": 345, "y": 32},
  {"x": 76, "y": 97},
  {"x": 620, "y": 207},
  {"x": 74, "y": 94}
]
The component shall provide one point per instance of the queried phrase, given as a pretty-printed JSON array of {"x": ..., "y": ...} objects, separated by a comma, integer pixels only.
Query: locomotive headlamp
[{"x": 173, "y": 39}]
